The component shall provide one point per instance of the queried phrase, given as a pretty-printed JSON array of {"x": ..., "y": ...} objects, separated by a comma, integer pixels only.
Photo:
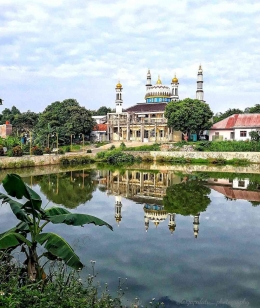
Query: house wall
[
  {"x": 238, "y": 130},
  {"x": 224, "y": 133},
  {"x": 5, "y": 130}
]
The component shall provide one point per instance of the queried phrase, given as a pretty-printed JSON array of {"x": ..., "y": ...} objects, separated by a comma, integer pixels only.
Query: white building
[{"x": 235, "y": 127}]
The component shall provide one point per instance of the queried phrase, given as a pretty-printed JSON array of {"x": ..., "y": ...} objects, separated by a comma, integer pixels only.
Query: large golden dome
[{"x": 119, "y": 86}]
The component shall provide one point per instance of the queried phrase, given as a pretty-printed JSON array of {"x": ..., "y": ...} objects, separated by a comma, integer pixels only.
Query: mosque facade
[{"x": 145, "y": 122}]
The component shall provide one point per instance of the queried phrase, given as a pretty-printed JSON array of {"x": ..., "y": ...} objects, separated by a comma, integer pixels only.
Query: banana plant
[{"x": 28, "y": 233}]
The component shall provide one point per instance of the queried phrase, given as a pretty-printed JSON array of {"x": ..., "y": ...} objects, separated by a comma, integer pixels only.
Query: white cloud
[{"x": 88, "y": 45}]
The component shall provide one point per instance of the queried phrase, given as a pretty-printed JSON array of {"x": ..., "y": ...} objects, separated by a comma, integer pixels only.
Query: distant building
[
  {"x": 99, "y": 133},
  {"x": 5, "y": 130},
  {"x": 145, "y": 122},
  {"x": 235, "y": 127}
]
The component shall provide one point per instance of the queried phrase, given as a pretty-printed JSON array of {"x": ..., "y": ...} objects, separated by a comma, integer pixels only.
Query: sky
[{"x": 52, "y": 50}]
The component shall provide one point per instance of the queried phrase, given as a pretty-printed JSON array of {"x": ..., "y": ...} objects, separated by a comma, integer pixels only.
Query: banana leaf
[
  {"x": 16, "y": 207},
  {"x": 59, "y": 215},
  {"x": 15, "y": 187},
  {"x": 11, "y": 239},
  {"x": 57, "y": 246}
]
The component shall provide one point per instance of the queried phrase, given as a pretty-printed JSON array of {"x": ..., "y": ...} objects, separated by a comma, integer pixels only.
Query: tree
[
  {"x": 221, "y": 116},
  {"x": 188, "y": 198},
  {"x": 65, "y": 118},
  {"x": 9, "y": 114},
  {"x": 33, "y": 218},
  {"x": 103, "y": 110},
  {"x": 255, "y": 109},
  {"x": 188, "y": 116},
  {"x": 25, "y": 121}
]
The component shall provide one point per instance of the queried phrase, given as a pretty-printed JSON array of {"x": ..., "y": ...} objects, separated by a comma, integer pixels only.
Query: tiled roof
[
  {"x": 147, "y": 107},
  {"x": 100, "y": 128},
  {"x": 237, "y": 193},
  {"x": 238, "y": 120}
]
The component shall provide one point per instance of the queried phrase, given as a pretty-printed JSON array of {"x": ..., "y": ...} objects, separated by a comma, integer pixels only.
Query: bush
[
  {"x": 67, "y": 149},
  {"x": 2, "y": 153},
  {"x": 60, "y": 151},
  {"x": 89, "y": 151},
  {"x": 152, "y": 147},
  {"x": 122, "y": 146},
  {"x": 112, "y": 147},
  {"x": 37, "y": 150},
  {"x": 17, "y": 151},
  {"x": 47, "y": 150}
]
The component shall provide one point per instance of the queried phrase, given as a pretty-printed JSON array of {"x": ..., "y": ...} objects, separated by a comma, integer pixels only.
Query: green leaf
[
  {"x": 77, "y": 219},
  {"x": 53, "y": 211},
  {"x": 15, "y": 187},
  {"x": 57, "y": 246},
  {"x": 11, "y": 239},
  {"x": 16, "y": 208}
]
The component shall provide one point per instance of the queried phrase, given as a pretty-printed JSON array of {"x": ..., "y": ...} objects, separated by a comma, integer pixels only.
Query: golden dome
[
  {"x": 156, "y": 223},
  {"x": 119, "y": 86},
  {"x": 159, "y": 80},
  {"x": 175, "y": 79}
]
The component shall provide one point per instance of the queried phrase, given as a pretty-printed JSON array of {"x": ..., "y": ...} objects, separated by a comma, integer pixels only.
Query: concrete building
[
  {"x": 5, "y": 130},
  {"x": 145, "y": 122},
  {"x": 235, "y": 127}
]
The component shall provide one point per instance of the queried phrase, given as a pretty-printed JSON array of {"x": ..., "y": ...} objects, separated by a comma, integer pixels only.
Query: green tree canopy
[
  {"x": 254, "y": 109},
  {"x": 25, "y": 121},
  {"x": 69, "y": 189},
  {"x": 65, "y": 118},
  {"x": 188, "y": 116},
  {"x": 189, "y": 198},
  {"x": 9, "y": 115},
  {"x": 103, "y": 110},
  {"x": 221, "y": 116}
]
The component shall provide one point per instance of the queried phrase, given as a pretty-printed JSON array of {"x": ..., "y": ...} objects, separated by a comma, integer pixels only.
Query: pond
[{"x": 180, "y": 238}]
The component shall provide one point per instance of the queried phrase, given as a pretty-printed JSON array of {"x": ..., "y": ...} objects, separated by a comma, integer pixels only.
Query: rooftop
[
  {"x": 147, "y": 107},
  {"x": 238, "y": 120}
]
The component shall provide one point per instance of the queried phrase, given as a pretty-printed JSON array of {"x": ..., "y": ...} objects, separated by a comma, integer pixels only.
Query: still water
[{"x": 179, "y": 238}]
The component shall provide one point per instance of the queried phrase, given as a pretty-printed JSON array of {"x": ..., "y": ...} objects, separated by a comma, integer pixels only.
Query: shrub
[
  {"x": 112, "y": 147},
  {"x": 101, "y": 155},
  {"x": 89, "y": 151},
  {"x": 47, "y": 150},
  {"x": 122, "y": 146},
  {"x": 17, "y": 151},
  {"x": 60, "y": 151},
  {"x": 67, "y": 149},
  {"x": 2, "y": 153},
  {"x": 37, "y": 150}
]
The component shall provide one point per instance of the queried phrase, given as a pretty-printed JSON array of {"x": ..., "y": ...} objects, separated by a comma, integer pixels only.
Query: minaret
[
  {"x": 146, "y": 222},
  {"x": 118, "y": 209},
  {"x": 175, "y": 92},
  {"x": 149, "y": 80},
  {"x": 199, "y": 92},
  {"x": 119, "y": 100},
  {"x": 172, "y": 224},
  {"x": 196, "y": 223}
]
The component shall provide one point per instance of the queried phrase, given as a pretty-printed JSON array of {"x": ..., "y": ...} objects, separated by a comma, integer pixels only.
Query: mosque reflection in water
[{"x": 163, "y": 194}]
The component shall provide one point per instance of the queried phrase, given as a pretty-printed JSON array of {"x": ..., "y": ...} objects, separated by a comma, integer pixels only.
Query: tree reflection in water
[
  {"x": 69, "y": 189},
  {"x": 187, "y": 198}
]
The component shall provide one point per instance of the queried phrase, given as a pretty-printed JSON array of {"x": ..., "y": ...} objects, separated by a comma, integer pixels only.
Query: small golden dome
[
  {"x": 118, "y": 219},
  {"x": 159, "y": 80},
  {"x": 175, "y": 79},
  {"x": 119, "y": 86},
  {"x": 156, "y": 223}
]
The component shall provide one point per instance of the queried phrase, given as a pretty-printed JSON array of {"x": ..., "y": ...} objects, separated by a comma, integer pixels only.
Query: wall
[
  {"x": 5, "y": 130},
  {"x": 224, "y": 133},
  {"x": 253, "y": 157},
  {"x": 237, "y": 133}
]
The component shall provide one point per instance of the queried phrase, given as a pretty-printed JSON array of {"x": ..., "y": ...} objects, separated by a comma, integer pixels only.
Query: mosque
[{"x": 145, "y": 122}]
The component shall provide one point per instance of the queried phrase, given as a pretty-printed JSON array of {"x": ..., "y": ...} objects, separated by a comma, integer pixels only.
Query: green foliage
[
  {"x": 152, "y": 147},
  {"x": 228, "y": 146},
  {"x": 9, "y": 115},
  {"x": 47, "y": 150},
  {"x": 187, "y": 198},
  {"x": 122, "y": 146},
  {"x": 254, "y": 135},
  {"x": 64, "y": 288},
  {"x": 221, "y": 116},
  {"x": 117, "y": 157},
  {"x": 25, "y": 121},
  {"x": 188, "y": 116},
  {"x": 37, "y": 150},
  {"x": 99, "y": 144},
  {"x": 89, "y": 151},
  {"x": 102, "y": 111},
  {"x": 254, "y": 109},
  {"x": 61, "y": 151},
  {"x": 76, "y": 160},
  {"x": 17, "y": 151},
  {"x": 33, "y": 218},
  {"x": 65, "y": 118},
  {"x": 112, "y": 147}
]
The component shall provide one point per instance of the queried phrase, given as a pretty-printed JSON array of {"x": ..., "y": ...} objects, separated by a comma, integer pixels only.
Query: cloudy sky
[{"x": 57, "y": 49}]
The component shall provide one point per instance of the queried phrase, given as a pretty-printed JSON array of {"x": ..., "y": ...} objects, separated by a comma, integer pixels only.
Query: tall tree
[
  {"x": 9, "y": 114},
  {"x": 221, "y": 116},
  {"x": 104, "y": 110},
  {"x": 65, "y": 118},
  {"x": 254, "y": 109},
  {"x": 25, "y": 121},
  {"x": 188, "y": 116}
]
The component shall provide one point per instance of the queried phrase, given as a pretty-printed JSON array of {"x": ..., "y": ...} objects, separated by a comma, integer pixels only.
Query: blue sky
[{"x": 53, "y": 50}]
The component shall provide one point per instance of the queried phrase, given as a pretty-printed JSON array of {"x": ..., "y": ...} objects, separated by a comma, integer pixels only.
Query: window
[
  {"x": 241, "y": 183},
  {"x": 138, "y": 133},
  {"x": 161, "y": 133},
  {"x": 243, "y": 133}
]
